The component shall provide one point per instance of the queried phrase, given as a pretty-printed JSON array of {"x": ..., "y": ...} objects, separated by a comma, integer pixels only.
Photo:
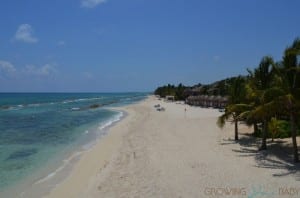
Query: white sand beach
[{"x": 171, "y": 153}]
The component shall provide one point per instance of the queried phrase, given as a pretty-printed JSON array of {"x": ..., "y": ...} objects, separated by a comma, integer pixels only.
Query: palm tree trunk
[
  {"x": 294, "y": 137},
  {"x": 264, "y": 136},
  {"x": 255, "y": 128},
  {"x": 236, "y": 132}
]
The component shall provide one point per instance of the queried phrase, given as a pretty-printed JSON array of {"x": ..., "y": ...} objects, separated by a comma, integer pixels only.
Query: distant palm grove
[{"x": 268, "y": 98}]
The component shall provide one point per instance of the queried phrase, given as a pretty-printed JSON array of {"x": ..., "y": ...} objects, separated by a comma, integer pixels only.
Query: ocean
[{"x": 43, "y": 134}]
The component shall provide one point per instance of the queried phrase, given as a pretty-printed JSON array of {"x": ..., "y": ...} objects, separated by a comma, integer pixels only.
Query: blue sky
[{"x": 137, "y": 45}]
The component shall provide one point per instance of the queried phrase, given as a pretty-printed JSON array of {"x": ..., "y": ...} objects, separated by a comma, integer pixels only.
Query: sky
[{"x": 137, "y": 45}]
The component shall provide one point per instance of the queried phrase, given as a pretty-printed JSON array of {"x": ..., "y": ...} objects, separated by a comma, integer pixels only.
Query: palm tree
[
  {"x": 252, "y": 100},
  {"x": 274, "y": 127},
  {"x": 291, "y": 85},
  {"x": 261, "y": 80},
  {"x": 235, "y": 105}
]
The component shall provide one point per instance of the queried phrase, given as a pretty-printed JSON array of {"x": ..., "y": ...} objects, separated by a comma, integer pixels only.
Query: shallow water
[{"x": 39, "y": 132}]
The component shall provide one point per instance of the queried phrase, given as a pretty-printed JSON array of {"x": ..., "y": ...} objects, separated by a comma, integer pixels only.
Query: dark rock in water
[
  {"x": 21, "y": 154},
  {"x": 4, "y": 107},
  {"x": 109, "y": 103},
  {"x": 94, "y": 106}
]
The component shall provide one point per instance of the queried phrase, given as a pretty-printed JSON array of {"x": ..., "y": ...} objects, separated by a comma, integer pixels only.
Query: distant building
[
  {"x": 170, "y": 98},
  {"x": 207, "y": 101}
]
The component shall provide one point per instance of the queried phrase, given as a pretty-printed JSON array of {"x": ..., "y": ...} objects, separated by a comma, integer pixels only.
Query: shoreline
[
  {"x": 45, "y": 179},
  {"x": 175, "y": 153},
  {"x": 106, "y": 144},
  {"x": 64, "y": 170}
]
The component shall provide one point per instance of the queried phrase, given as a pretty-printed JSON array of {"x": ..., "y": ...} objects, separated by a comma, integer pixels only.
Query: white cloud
[
  {"x": 61, "y": 43},
  {"x": 88, "y": 75},
  {"x": 44, "y": 70},
  {"x": 25, "y": 34},
  {"x": 7, "y": 67},
  {"x": 91, "y": 3},
  {"x": 216, "y": 58}
]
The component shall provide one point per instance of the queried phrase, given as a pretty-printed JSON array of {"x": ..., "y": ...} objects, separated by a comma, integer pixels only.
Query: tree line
[
  {"x": 181, "y": 92},
  {"x": 268, "y": 98},
  {"x": 172, "y": 90}
]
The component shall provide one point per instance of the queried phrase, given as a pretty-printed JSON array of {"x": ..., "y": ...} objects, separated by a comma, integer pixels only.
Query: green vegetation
[
  {"x": 269, "y": 97},
  {"x": 181, "y": 92},
  {"x": 172, "y": 90},
  {"x": 235, "y": 105}
]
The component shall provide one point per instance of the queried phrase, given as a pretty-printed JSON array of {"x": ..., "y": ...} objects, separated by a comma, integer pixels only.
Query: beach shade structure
[
  {"x": 170, "y": 98},
  {"x": 211, "y": 101},
  {"x": 207, "y": 101}
]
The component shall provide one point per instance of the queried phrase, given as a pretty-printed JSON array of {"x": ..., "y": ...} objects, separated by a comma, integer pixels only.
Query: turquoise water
[{"x": 35, "y": 128}]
